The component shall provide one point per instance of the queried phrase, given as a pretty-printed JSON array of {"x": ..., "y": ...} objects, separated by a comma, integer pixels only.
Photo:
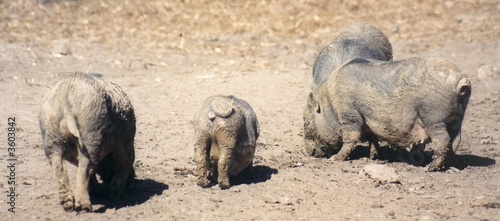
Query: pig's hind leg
[
  {"x": 83, "y": 173},
  {"x": 202, "y": 148},
  {"x": 123, "y": 167},
  {"x": 227, "y": 145},
  {"x": 55, "y": 156},
  {"x": 443, "y": 154},
  {"x": 374, "y": 146}
]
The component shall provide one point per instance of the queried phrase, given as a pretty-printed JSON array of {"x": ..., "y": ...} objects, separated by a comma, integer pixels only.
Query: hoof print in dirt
[
  {"x": 226, "y": 131},
  {"x": 88, "y": 121}
]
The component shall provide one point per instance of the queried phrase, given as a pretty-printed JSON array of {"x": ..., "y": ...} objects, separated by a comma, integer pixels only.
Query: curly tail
[
  {"x": 222, "y": 107},
  {"x": 464, "y": 89}
]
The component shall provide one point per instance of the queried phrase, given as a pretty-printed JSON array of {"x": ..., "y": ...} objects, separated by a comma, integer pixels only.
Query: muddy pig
[
  {"x": 396, "y": 102},
  {"x": 88, "y": 121},
  {"x": 226, "y": 131},
  {"x": 360, "y": 40}
]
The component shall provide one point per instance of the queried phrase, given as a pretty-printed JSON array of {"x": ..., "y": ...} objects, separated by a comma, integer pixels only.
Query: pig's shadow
[
  {"x": 385, "y": 153},
  {"x": 463, "y": 161},
  {"x": 390, "y": 154},
  {"x": 137, "y": 193},
  {"x": 260, "y": 174}
]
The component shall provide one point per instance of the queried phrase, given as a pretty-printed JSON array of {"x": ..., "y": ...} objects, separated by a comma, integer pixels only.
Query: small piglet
[{"x": 226, "y": 130}]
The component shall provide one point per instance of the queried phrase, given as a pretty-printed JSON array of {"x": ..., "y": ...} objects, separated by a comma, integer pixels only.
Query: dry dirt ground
[{"x": 170, "y": 55}]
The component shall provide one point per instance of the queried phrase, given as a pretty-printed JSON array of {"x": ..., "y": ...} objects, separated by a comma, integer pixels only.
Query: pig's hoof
[
  {"x": 224, "y": 185},
  {"x": 317, "y": 153},
  {"x": 68, "y": 206},
  {"x": 308, "y": 151},
  {"x": 311, "y": 149},
  {"x": 203, "y": 182},
  {"x": 67, "y": 203},
  {"x": 416, "y": 157},
  {"x": 83, "y": 207},
  {"x": 439, "y": 164},
  {"x": 338, "y": 158}
]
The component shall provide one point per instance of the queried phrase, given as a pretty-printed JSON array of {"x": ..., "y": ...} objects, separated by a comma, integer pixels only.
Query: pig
[
  {"x": 398, "y": 102},
  {"x": 90, "y": 122},
  {"x": 226, "y": 131},
  {"x": 360, "y": 40}
]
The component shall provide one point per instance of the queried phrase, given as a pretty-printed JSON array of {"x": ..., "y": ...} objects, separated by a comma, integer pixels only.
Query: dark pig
[
  {"x": 88, "y": 121},
  {"x": 360, "y": 40},
  {"x": 226, "y": 131},
  {"x": 400, "y": 102}
]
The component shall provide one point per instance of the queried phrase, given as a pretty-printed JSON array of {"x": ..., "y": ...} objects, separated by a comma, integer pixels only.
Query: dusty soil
[{"x": 170, "y": 55}]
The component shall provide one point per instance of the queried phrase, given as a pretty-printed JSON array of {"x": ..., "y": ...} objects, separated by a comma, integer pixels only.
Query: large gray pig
[
  {"x": 400, "y": 102},
  {"x": 226, "y": 131},
  {"x": 360, "y": 40},
  {"x": 88, "y": 121}
]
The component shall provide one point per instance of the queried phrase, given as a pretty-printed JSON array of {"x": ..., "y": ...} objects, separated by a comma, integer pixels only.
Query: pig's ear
[
  {"x": 222, "y": 107},
  {"x": 311, "y": 101}
]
